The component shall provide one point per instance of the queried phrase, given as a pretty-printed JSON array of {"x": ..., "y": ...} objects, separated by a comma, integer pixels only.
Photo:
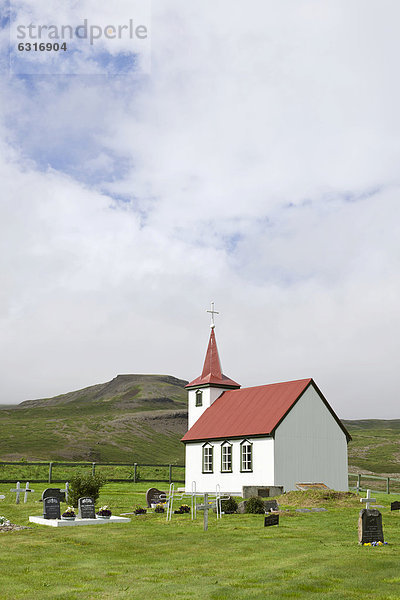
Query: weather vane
[{"x": 213, "y": 312}]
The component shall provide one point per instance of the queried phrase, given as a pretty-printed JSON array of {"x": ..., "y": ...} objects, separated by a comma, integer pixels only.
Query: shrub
[
  {"x": 254, "y": 506},
  {"x": 229, "y": 506},
  {"x": 84, "y": 485}
]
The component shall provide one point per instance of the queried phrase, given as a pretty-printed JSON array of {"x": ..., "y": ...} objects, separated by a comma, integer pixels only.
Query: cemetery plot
[{"x": 77, "y": 522}]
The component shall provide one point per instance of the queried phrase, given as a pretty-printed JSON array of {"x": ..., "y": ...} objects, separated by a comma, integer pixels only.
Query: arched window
[
  {"x": 208, "y": 453},
  {"x": 226, "y": 457},
  {"x": 199, "y": 398},
  {"x": 246, "y": 456}
]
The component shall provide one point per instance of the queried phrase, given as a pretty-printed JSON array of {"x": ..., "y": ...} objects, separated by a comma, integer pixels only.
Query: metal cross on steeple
[{"x": 213, "y": 312}]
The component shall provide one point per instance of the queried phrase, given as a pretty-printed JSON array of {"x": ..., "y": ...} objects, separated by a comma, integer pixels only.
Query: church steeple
[
  {"x": 212, "y": 373},
  {"x": 205, "y": 389}
]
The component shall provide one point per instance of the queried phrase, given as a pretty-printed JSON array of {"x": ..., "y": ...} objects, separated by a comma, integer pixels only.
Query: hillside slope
[
  {"x": 375, "y": 447},
  {"x": 141, "y": 418},
  {"x": 131, "y": 418}
]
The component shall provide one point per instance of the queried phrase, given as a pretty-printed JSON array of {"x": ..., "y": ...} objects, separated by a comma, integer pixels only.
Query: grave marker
[
  {"x": 27, "y": 490},
  {"x": 155, "y": 496},
  {"x": 271, "y": 520},
  {"x": 370, "y": 526},
  {"x": 51, "y": 508},
  {"x": 86, "y": 508},
  {"x": 368, "y": 500},
  {"x": 205, "y": 507},
  {"x": 54, "y": 493},
  {"x": 18, "y": 491},
  {"x": 395, "y": 505},
  {"x": 370, "y": 522}
]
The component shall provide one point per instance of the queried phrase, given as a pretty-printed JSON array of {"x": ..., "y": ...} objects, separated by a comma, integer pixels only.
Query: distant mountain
[
  {"x": 141, "y": 418},
  {"x": 131, "y": 418}
]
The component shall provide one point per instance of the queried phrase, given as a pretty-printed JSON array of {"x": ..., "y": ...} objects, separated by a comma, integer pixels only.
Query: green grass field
[{"x": 311, "y": 555}]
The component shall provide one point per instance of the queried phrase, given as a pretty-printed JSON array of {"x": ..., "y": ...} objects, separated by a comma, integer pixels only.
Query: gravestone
[
  {"x": 155, "y": 496},
  {"x": 86, "y": 508},
  {"x": 51, "y": 508},
  {"x": 370, "y": 526},
  {"x": 54, "y": 493},
  {"x": 395, "y": 505},
  {"x": 271, "y": 520}
]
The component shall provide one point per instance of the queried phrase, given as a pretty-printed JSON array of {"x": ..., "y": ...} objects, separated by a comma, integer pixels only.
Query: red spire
[{"x": 212, "y": 372}]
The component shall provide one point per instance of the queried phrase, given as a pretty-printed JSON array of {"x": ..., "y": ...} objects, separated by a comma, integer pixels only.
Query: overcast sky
[{"x": 254, "y": 163}]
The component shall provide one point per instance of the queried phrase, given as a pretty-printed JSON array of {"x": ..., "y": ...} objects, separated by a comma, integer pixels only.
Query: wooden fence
[
  {"x": 361, "y": 481},
  {"x": 56, "y": 472}
]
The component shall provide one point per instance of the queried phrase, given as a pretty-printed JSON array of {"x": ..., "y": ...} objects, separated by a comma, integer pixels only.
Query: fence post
[
  {"x": 388, "y": 485},
  {"x": 93, "y": 469},
  {"x": 50, "y": 471},
  {"x": 134, "y": 472},
  {"x": 170, "y": 474},
  {"x": 359, "y": 481}
]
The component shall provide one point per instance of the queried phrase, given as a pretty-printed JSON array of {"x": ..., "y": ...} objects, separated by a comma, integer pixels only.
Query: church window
[
  {"x": 226, "y": 457},
  {"x": 246, "y": 456},
  {"x": 208, "y": 451},
  {"x": 199, "y": 398}
]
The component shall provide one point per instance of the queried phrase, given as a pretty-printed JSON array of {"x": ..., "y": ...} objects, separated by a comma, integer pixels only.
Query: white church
[{"x": 270, "y": 435}]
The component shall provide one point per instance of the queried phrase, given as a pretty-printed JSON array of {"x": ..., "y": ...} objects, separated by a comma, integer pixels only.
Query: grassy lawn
[{"x": 312, "y": 555}]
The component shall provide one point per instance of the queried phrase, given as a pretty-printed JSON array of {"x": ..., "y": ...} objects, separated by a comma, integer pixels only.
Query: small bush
[
  {"x": 229, "y": 506},
  {"x": 254, "y": 506},
  {"x": 81, "y": 486}
]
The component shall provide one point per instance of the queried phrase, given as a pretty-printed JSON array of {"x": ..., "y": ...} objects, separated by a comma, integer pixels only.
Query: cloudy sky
[{"x": 253, "y": 162}]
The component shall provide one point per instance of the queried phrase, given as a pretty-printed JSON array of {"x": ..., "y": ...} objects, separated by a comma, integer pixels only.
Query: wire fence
[{"x": 58, "y": 472}]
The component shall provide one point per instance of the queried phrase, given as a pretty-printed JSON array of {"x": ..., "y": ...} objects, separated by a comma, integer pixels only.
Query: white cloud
[{"x": 258, "y": 167}]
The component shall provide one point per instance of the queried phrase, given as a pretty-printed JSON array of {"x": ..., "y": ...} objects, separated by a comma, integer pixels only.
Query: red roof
[
  {"x": 251, "y": 411},
  {"x": 212, "y": 372}
]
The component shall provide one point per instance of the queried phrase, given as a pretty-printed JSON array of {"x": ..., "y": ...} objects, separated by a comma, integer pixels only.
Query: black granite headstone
[
  {"x": 51, "y": 508},
  {"x": 86, "y": 508},
  {"x": 370, "y": 526},
  {"x": 395, "y": 505},
  {"x": 155, "y": 496},
  {"x": 54, "y": 493},
  {"x": 271, "y": 520}
]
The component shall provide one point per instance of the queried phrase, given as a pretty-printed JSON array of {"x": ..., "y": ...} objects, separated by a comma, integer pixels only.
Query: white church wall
[
  {"x": 209, "y": 395},
  {"x": 262, "y": 474},
  {"x": 310, "y": 446}
]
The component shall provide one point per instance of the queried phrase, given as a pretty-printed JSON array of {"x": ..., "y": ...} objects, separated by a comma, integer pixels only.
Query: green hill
[
  {"x": 375, "y": 447},
  {"x": 141, "y": 418},
  {"x": 131, "y": 418}
]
